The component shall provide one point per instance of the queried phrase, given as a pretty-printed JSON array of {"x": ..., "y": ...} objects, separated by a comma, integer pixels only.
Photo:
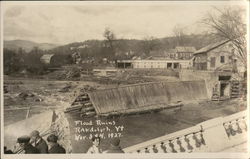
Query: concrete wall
[
  {"x": 214, "y": 135},
  {"x": 211, "y": 78}
]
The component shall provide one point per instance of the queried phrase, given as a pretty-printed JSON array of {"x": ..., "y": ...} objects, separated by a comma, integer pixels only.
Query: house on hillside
[
  {"x": 219, "y": 56},
  {"x": 184, "y": 52},
  {"x": 180, "y": 53}
]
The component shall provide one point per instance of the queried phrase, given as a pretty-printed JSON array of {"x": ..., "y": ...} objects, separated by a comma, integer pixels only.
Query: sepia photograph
[{"x": 124, "y": 77}]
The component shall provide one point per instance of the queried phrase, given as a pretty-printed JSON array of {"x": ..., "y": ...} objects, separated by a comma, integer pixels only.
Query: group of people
[
  {"x": 113, "y": 148},
  {"x": 35, "y": 144}
]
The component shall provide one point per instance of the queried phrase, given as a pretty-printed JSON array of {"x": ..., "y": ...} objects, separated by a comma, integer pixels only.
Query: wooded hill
[
  {"x": 16, "y": 60},
  {"x": 123, "y": 47}
]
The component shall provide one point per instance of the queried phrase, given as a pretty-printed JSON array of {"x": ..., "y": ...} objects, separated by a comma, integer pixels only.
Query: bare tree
[
  {"x": 149, "y": 44},
  {"x": 229, "y": 24},
  {"x": 179, "y": 35},
  {"x": 110, "y": 38}
]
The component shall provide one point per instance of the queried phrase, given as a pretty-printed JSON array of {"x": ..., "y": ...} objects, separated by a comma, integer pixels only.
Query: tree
[
  {"x": 109, "y": 38},
  {"x": 179, "y": 35},
  {"x": 12, "y": 62},
  {"x": 149, "y": 44},
  {"x": 229, "y": 24}
]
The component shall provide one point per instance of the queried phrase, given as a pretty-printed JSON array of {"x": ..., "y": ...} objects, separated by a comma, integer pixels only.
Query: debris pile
[
  {"x": 88, "y": 88},
  {"x": 65, "y": 73},
  {"x": 67, "y": 88},
  {"x": 29, "y": 96},
  {"x": 25, "y": 95},
  {"x": 82, "y": 106}
]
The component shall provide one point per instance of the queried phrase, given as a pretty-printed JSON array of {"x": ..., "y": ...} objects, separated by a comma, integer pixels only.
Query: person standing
[
  {"x": 54, "y": 146},
  {"x": 39, "y": 142},
  {"x": 95, "y": 148},
  {"x": 24, "y": 143}
]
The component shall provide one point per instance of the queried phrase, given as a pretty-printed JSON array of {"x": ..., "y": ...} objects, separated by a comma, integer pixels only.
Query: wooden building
[
  {"x": 218, "y": 56},
  {"x": 184, "y": 52},
  {"x": 154, "y": 63}
]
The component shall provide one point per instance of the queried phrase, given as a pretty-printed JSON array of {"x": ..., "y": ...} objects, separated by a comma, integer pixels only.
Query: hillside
[
  {"x": 97, "y": 49},
  {"x": 27, "y": 45}
]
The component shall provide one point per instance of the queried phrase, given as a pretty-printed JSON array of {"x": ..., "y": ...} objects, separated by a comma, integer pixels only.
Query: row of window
[
  {"x": 169, "y": 65},
  {"x": 222, "y": 60}
]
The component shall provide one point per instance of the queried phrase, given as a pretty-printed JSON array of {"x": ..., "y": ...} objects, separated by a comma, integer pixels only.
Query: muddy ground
[{"x": 39, "y": 96}]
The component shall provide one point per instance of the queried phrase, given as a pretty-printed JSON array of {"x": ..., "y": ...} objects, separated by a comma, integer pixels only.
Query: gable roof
[
  {"x": 184, "y": 49},
  {"x": 211, "y": 47}
]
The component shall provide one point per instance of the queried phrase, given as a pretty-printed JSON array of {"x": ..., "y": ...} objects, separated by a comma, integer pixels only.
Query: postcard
[{"x": 156, "y": 79}]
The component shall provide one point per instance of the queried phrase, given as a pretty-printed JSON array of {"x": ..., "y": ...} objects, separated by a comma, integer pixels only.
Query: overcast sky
[{"x": 79, "y": 21}]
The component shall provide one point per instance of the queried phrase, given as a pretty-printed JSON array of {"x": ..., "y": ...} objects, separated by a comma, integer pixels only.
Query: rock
[{"x": 38, "y": 100}]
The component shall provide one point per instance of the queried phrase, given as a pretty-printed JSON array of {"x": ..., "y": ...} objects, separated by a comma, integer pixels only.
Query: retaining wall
[{"x": 211, "y": 78}]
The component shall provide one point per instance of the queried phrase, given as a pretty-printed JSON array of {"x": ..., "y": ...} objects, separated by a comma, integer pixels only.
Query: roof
[
  {"x": 46, "y": 58},
  {"x": 211, "y": 47},
  {"x": 146, "y": 96},
  {"x": 185, "y": 49},
  {"x": 162, "y": 52}
]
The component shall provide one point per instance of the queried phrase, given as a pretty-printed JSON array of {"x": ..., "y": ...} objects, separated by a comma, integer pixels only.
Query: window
[
  {"x": 222, "y": 59},
  {"x": 212, "y": 62},
  {"x": 176, "y": 65},
  {"x": 169, "y": 65}
]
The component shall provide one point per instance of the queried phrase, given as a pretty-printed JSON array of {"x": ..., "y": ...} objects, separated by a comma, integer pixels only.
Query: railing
[
  {"x": 187, "y": 140},
  {"x": 210, "y": 136},
  {"x": 235, "y": 125}
]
